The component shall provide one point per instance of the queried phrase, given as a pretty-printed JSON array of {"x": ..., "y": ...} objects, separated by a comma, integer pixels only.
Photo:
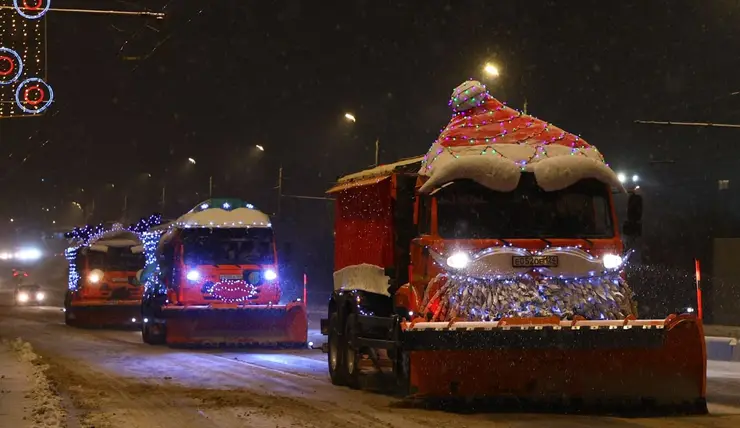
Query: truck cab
[
  {"x": 104, "y": 284},
  {"x": 212, "y": 279}
]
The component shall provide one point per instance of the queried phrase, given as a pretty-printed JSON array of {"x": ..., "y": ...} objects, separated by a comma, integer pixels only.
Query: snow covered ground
[
  {"x": 111, "y": 379},
  {"x": 29, "y": 399}
]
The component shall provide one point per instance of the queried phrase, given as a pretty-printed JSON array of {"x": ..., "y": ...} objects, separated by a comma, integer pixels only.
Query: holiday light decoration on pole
[
  {"x": 23, "y": 89},
  {"x": 23, "y": 54}
]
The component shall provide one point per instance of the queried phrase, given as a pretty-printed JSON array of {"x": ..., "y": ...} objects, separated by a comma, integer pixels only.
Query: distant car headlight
[
  {"x": 193, "y": 275},
  {"x": 95, "y": 276},
  {"x": 611, "y": 261},
  {"x": 270, "y": 275},
  {"x": 23, "y": 297},
  {"x": 40, "y": 296},
  {"x": 458, "y": 260}
]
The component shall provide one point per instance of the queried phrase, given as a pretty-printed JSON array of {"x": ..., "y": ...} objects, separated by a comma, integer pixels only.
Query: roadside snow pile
[{"x": 47, "y": 411}]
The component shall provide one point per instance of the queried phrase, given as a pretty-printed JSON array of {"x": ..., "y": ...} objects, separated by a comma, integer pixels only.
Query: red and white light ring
[
  {"x": 33, "y": 95},
  {"x": 11, "y": 66},
  {"x": 32, "y": 9}
]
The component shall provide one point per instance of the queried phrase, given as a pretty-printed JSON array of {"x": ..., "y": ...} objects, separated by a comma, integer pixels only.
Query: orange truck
[
  {"x": 104, "y": 288},
  {"x": 492, "y": 268},
  {"x": 212, "y": 280}
]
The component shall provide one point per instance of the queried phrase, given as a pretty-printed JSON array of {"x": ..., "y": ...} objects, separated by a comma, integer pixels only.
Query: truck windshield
[
  {"x": 238, "y": 246},
  {"x": 467, "y": 210},
  {"x": 115, "y": 259}
]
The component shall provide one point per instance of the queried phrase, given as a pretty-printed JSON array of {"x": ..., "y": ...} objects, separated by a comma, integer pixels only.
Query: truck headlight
[
  {"x": 611, "y": 261},
  {"x": 40, "y": 296},
  {"x": 95, "y": 276},
  {"x": 270, "y": 275},
  {"x": 458, "y": 260},
  {"x": 23, "y": 297},
  {"x": 193, "y": 275}
]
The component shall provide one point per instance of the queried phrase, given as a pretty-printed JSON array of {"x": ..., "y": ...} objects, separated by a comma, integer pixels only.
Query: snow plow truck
[
  {"x": 105, "y": 266},
  {"x": 212, "y": 280},
  {"x": 493, "y": 268}
]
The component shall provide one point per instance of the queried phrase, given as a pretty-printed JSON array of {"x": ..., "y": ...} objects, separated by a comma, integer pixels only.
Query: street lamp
[
  {"x": 191, "y": 160},
  {"x": 260, "y": 148},
  {"x": 491, "y": 70},
  {"x": 350, "y": 117}
]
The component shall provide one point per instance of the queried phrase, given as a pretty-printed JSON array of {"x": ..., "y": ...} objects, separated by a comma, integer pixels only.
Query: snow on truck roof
[
  {"x": 380, "y": 170},
  {"x": 227, "y": 213},
  {"x": 372, "y": 175}
]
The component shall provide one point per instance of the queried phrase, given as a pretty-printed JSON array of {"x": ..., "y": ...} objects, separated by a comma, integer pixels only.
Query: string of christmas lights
[
  {"x": 81, "y": 237},
  {"x": 602, "y": 297},
  {"x": 222, "y": 289},
  {"x": 480, "y": 120}
]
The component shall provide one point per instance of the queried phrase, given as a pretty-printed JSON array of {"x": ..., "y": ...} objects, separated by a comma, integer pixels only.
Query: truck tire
[
  {"x": 150, "y": 337},
  {"x": 336, "y": 353},
  {"x": 402, "y": 373},
  {"x": 352, "y": 356}
]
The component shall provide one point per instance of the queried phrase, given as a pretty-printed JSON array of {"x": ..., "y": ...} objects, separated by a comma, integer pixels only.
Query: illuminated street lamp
[
  {"x": 260, "y": 148},
  {"x": 191, "y": 160},
  {"x": 491, "y": 70},
  {"x": 350, "y": 117}
]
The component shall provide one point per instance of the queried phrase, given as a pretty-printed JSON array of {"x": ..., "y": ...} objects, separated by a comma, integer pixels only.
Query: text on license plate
[
  {"x": 534, "y": 261},
  {"x": 231, "y": 277}
]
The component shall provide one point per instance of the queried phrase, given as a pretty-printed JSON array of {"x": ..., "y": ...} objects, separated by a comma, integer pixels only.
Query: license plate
[
  {"x": 231, "y": 277},
  {"x": 534, "y": 261}
]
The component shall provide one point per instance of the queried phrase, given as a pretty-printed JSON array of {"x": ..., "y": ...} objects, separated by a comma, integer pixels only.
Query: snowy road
[{"x": 111, "y": 379}]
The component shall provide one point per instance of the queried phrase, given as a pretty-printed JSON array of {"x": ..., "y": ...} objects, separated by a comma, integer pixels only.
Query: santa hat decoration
[{"x": 491, "y": 143}]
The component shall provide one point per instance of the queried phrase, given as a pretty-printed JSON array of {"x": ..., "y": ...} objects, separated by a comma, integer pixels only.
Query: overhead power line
[
  {"x": 158, "y": 15},
  {"x": 702, "y": 124}
]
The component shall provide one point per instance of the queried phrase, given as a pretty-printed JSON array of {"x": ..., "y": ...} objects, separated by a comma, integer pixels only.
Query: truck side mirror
[{"x": 287, "y": 253}]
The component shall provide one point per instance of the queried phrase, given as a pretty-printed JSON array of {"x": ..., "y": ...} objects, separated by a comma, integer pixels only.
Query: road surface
[{"x": 111, "y": 379}]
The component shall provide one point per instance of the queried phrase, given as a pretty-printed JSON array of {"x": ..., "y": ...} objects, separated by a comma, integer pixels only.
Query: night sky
[{"x": 214, "y": 78}]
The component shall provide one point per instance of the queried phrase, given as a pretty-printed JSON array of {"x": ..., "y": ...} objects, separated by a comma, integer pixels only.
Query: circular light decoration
[
  {"x": 233, "y": 291},
  {"x": 32, "y": 9},
  {"x": 33, "y": 95},
  {"x": 11, "y": 66}
]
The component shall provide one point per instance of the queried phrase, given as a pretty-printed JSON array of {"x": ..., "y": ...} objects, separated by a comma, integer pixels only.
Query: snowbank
[{"x": 47, "y": 408}]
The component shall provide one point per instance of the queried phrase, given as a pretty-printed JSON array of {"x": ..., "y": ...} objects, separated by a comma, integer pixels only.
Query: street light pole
[
  {"x": 377, "y": 151},
  {"x": 210, "y": 187},
  {"x": 280, "y": 189}
]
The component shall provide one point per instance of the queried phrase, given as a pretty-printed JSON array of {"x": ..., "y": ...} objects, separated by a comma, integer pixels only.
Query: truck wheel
[
  {"x": 336, "y": 354},
  {"x": 68, "y": 319},
  {"x": 352, "y": 356},
  {"x": 150, "y": 337},
  {"x": 402, "y": 372}
]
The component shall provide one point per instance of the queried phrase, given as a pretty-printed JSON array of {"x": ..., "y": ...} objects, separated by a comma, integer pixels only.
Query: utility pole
[
  {"x": 377, "y": 151},
  {"x": 125, "y": 207},
  {"x": 210, "y": 187},
  {"x": 163, "y": 195},
  {"x": 279, "y": 189}
]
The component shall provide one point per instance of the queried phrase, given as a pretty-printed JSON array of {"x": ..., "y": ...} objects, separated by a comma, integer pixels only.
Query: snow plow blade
[
  {"x": 237, "y": 325},
  {"x": 122, "y": 315},
  {"x": 626, "y": 365}
]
